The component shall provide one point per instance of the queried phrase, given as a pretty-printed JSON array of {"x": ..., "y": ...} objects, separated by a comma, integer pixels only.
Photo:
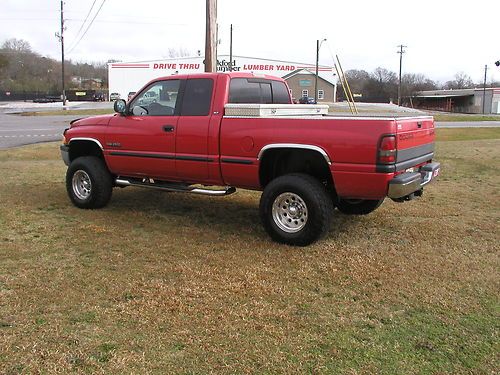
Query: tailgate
[{"x": 415, "y": 141}]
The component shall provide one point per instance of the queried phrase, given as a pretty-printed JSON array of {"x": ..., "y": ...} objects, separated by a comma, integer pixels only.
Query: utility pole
[
  {"x": 231, "y": 49},
  {"x": 484, "y": 87},
  {"x": 401, "y": 51},
  {"x": 318, "y": 46},
  {"x": 211, "y": 37},
  {"x": 61, "y": 38}
]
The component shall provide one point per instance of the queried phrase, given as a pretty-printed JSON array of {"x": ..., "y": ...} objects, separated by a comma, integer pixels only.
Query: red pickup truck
[{"x": 210, "y": 133}]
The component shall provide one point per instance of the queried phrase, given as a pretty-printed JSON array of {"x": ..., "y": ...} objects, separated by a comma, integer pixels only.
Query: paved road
[{"x": 23, "y": 130}]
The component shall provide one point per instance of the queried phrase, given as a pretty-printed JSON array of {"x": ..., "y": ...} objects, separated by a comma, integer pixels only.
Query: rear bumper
[{"x": 406, "y": 184}]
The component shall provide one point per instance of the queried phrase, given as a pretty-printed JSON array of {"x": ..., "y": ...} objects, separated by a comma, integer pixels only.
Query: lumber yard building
[{"x": 125, "y": 77}]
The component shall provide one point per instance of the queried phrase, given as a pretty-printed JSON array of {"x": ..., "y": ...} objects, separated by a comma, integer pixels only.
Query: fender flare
[{"x": 296, "y": 146}]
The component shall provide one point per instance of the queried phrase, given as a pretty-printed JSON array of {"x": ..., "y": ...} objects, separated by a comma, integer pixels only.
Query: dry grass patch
[
  {"x": 69, "y": 111},
  {"x": 172, "y": 283}
]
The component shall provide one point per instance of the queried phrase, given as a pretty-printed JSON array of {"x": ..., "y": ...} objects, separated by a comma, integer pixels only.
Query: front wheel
[
  {"x": 88, "y": 182},
  {"x": 295, "y": 209},
  {"x": 358, "y": 206}
]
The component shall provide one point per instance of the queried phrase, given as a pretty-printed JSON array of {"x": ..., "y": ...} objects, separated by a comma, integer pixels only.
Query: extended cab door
[
  {"x": 191, "y": 143},
  {"x": 142, "y": 143}
]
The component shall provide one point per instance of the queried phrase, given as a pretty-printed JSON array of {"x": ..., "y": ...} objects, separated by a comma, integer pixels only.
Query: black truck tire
[
  {"x": 88, "y": 182},
  {"x": 358, "y": 206},
  {"x": 295, "y": 209}
]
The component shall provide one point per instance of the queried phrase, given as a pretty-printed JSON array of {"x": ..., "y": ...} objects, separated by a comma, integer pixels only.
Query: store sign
[{"x": 305, "y": 83}]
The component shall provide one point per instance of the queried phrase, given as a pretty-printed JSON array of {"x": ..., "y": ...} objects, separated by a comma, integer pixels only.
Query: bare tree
[
  {"x": 461, "y": 81},
  {"x": 412, "y": 83},
  {"x": 178, "y": 52},
  {"x": 17, "y": 45}
]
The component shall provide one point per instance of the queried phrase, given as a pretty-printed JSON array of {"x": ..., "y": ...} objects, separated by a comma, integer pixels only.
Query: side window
[
  {"x": 281, "y": 94},
  {"x": 197, "y": 97},
  {"x": 159, "y": 99}
]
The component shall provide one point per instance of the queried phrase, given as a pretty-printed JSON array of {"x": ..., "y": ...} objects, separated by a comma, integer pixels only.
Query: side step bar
[{"x": 174, "y": 187}]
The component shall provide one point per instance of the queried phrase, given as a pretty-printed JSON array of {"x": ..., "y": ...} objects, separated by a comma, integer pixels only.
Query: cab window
[
  {"x": 159, "y": 99},
  {"x": 197, "y": 97}
]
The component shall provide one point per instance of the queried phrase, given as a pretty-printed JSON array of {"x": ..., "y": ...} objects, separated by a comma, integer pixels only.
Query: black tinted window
[
  {"x": 244, "y": 90},
  {"x": 280, "y": 93},
  {"x": 266, "y": 95},
  {"x": 197, "y": 97}
]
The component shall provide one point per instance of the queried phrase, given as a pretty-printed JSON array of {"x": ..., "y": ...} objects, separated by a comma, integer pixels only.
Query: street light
[{"x": 318, "y": 46}]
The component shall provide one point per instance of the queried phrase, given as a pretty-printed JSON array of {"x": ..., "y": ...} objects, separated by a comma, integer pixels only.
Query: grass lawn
[
  {"x": 448, "y": 117},
  {"x": 168, "y": 283}
]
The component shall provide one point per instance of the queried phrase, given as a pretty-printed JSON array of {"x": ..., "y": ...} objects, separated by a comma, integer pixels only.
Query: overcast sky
[{"x": 443, "y": 37}]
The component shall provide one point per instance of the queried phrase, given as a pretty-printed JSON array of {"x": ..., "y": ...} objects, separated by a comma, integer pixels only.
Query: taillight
[{"x": 387, "y": 149}]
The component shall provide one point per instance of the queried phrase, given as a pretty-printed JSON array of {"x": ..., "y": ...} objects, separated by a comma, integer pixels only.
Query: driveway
[{"x": 18, "y": 130}]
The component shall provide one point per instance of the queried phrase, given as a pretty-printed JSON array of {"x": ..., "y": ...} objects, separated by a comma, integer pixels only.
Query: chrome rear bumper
[{"x": 406, "y": 184}]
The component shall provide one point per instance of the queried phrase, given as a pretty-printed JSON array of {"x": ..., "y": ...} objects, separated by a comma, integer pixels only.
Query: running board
[{"x": 179, "y": 188}]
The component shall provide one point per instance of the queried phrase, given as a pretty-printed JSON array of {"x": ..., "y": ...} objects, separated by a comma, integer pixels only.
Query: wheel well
[
  {"x": 84, "y": 148},
  {"x": 281, "y": 161}
]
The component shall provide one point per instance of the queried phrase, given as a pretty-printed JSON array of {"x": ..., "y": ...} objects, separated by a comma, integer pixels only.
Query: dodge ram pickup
[{"x": 211, "y": 133}]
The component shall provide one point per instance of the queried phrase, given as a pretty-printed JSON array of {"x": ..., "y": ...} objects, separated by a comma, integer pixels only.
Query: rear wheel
[
  {"x": 88, "y": 182},
  {"x": 358, "y": 206},
  {"x": 295, "y": 209}
]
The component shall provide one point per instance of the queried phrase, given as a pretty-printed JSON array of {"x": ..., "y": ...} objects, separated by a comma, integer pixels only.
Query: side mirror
[{"x": 120, "y": 106}]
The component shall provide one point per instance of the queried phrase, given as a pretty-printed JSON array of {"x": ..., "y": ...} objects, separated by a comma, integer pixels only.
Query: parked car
[
  {"x": 131, "y": 95},
  {"x": 114, "y": 96},
  {"x": 307, "y": 100},
  {"x": 148, "y": 98},
  {"x": 98, "y": 97}
]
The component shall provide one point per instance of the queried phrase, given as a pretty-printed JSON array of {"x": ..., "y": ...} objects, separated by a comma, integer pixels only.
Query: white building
[{"x": 125, "y": 77}]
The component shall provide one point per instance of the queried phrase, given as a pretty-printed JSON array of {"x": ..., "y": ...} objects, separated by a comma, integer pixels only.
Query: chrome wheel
[
  {"x": 289, "y": 212},
  {"x": 82, "y": 186}
]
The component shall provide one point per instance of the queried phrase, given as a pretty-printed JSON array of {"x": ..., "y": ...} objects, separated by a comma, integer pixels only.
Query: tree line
[
  {"x": 24, "y": 70},
  {"x": 382, "y": 85}
]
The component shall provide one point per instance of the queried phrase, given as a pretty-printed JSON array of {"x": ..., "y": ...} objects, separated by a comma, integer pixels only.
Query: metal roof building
[{"x": 460, "y": 101}]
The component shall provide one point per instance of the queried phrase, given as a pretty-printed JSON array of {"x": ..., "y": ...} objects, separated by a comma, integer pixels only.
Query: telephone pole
[
  {"x": 318, "y": 46},
  {"x": 60, "y": 36},
  {"x": 484, "y": 86},
  {"x": 231, "y": 49},
  {"x": 211, "y": 37},
  {"x": 401, "y": 51}
]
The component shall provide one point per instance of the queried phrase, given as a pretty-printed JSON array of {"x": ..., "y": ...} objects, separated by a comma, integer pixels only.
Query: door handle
[{"x": 168, "y": 128}]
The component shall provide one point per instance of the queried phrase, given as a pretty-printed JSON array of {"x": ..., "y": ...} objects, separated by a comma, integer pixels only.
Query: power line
[
  {"x": 88, "y": 27},
  {"x": 86, "y": 18}
]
